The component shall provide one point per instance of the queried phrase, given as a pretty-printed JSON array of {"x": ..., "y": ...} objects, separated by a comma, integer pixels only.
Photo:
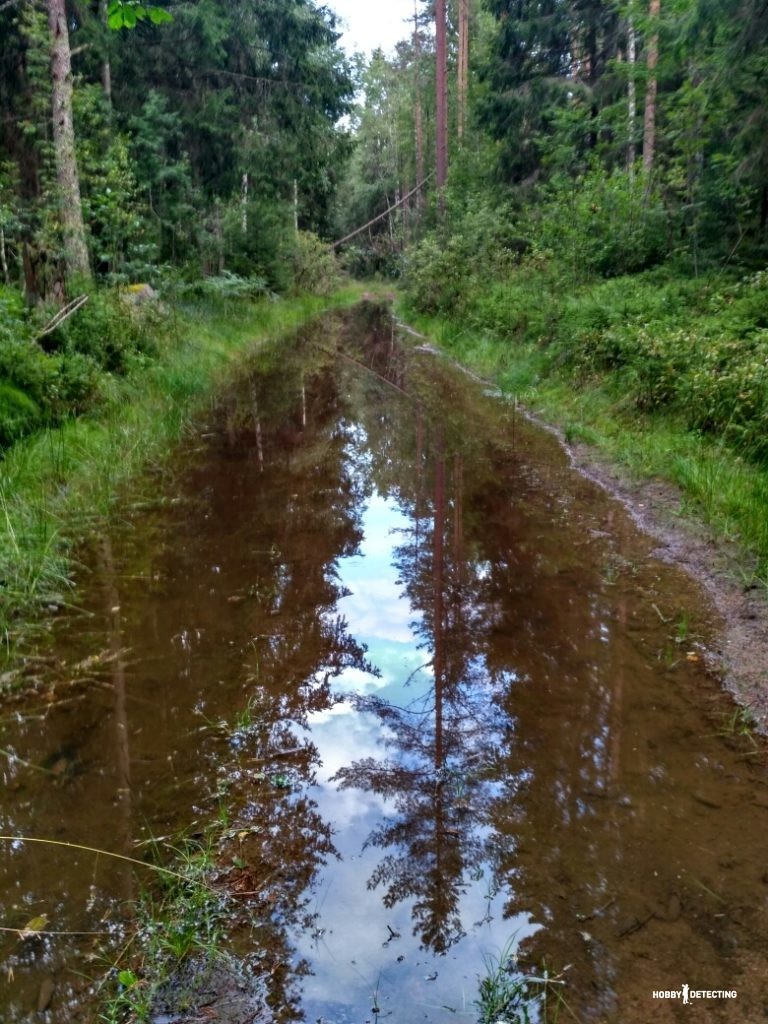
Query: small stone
[
  {"x": 706, "y": 801},
  {"x": 45, "y": 995}
]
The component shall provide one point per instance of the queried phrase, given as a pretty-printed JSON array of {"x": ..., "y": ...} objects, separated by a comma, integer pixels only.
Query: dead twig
[{"x": 63, "y": 314}]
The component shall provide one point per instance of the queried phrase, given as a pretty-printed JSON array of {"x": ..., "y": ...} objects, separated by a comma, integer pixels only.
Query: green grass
[
  {"x": 506, "y": 993},
  {"x": 61, "y": 483},
  {"x": 182, "y": 917},
  {"x": 717, "y": 483}
]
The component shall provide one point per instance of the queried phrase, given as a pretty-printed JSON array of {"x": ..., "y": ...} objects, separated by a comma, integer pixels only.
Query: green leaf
[
  {"x": 33, "y": 927},
  {"x": 158, "y": 16},
  {"x": 127, "y": 979},
  {"x": 115, "y": 19},
  {"x": 140, "y": 11},
  {"x": 129, "y": 17},
  {"x": 114, "y": 7}
]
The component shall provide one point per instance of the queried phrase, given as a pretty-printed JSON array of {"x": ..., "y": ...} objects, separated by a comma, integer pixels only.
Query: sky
[{"x": 368, "y": 24}]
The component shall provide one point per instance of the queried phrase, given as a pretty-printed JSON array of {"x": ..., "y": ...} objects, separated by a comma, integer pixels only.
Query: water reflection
[{"x": 424, "y": 677}]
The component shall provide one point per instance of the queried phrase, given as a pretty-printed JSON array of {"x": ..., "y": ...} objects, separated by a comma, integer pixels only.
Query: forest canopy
[{"x": 199, "y": 135}]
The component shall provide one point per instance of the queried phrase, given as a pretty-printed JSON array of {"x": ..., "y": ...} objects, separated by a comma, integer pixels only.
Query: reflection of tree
[
  {"x": 443, "y": 740},
  {"x": 302, "y": 517},
  {"x": 492, "y": 591}
]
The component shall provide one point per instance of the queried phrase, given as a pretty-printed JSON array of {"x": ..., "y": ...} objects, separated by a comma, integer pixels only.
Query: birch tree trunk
[
  {"x": 106, "y": 66},
  {"x": 631, "y": 93},
  {"x": 3, "y": 258},
  {"x": 651, "y": 92},
  {"x": 441, "y": 86},
  {"x": 73, "y": 228}
]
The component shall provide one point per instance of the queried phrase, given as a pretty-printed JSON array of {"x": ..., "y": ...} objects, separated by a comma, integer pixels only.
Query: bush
[
  {"x": 106, "y": 331},
  {"x": 225, "y": 286},
  {"x": 442, "y": 274},
  {"x": 601, "y": 224},
  {"x": 19, "y": 415},
  {"x": 315, "y": 268}
]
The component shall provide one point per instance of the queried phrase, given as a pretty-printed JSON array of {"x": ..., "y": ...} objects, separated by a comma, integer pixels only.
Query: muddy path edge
[{"x": 739, "y": 655}]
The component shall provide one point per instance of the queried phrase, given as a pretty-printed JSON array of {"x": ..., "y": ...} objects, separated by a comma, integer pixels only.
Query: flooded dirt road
[{"x": 445, "y": 704}]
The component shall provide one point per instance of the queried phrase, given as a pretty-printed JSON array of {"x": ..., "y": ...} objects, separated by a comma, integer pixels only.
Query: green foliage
[
  {"x": 41, "y": 386},
  {"x": 506, "y": 993},
  {"x": 128, "y": 13},
  {"x": 225, "y": 286},
  {"x": 108, "y": 186},
  {"x": 443, "y": 274},
  {"x": 695, "y": 349},
  {"x": 314, "y": 266},
  {"x": 19, "y": 415},
  {"x": 598, "y": 223},
  {"x": 109, "y": 332}
]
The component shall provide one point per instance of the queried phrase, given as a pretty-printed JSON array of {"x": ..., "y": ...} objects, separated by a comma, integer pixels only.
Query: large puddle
[{"x": 448, "y": 705}]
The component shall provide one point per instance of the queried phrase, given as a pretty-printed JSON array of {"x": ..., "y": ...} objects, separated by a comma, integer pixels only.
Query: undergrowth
[
  {"x": 668, "y": 375},
  {"x": 63, "y": 480}
]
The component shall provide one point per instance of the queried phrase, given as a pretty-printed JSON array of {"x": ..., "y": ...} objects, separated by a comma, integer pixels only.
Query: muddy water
[{"x": 440, "y": 694}]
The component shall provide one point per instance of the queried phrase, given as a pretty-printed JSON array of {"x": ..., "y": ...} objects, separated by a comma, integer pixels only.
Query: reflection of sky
[{"x": 352, "y": 968}]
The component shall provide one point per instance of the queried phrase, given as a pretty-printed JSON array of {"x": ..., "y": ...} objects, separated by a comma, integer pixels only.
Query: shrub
[
  {"x": 19, "y": 415},
  {"x": 601, "y": 224},
  {"x": 106, "y": 331},
  {"x": 315, "y": 268},
  {"x": 225, "y": 286}
]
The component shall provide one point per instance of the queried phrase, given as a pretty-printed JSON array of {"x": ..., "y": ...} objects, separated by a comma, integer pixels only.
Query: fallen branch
[{"x": 63, "y": 314}]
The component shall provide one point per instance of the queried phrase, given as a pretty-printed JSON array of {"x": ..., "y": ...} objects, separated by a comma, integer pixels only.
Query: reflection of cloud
[
  {"x": 375, "y": 609},
  {"x": 351, "y": 961},
  {"x": 341, "y": 739}
]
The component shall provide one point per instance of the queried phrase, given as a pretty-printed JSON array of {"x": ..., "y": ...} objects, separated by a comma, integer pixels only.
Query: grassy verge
[
  {"x": 726, "y": 488},
  {"x": 59, "y": 483}
]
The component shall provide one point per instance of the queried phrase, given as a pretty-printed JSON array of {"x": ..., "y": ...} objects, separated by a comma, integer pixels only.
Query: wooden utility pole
[
  {"x": 75, "y": 247},
  {"x": 651, "y": 91},
  {"x": 463, "y": 67},
  {"x": 441, "y": 96}
]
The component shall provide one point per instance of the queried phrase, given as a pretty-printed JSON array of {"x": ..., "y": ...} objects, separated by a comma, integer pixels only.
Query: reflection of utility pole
[{"x": 117, "y": 662}]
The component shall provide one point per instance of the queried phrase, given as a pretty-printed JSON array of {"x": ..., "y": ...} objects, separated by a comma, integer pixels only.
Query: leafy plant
[{"x": 128, "y": 13}]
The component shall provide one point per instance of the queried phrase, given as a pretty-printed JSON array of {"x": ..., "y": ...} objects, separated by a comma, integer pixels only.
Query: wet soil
[
  {"x": 448, "y": 704},
  {"x": 740, "y": 649}
]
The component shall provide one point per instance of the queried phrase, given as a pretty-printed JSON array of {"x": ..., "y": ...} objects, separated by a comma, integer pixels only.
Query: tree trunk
[
  {"x": 418, "y": 111},
  {"x": 652, "y": 60},
  {"x": 3, "y": 257},
  {"x": 631, "y": 94},
  {"x": 463, "y": 70},
  {"x": 75, "y": 248},
  {"x": 106, "y": 66},
  {"x": 441, "y": 89}
]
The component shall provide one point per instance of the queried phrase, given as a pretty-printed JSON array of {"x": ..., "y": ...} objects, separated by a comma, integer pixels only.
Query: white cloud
[{"x": 367, "y": 26}]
